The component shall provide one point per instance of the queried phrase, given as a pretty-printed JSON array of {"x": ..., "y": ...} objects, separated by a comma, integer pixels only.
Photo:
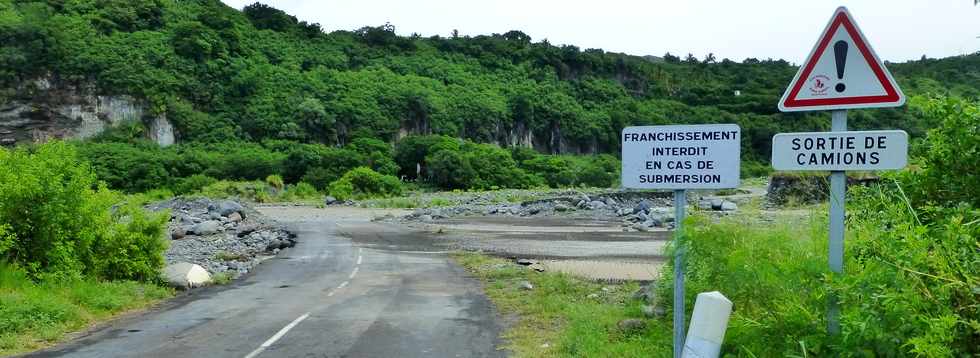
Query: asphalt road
[{"x": 326, "y": 297}]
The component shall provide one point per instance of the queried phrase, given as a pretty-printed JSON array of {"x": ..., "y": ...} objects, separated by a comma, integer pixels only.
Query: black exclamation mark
[{"x": 840, "y": 54}]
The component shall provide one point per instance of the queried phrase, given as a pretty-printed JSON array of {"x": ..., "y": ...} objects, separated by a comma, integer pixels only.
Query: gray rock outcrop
[{"x": 50, "y": 108}]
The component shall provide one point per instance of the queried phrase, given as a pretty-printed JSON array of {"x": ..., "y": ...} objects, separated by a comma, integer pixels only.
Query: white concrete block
[{"x": 708, "y": 325}]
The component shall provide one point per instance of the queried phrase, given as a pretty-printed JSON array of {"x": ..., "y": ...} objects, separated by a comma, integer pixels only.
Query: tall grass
[
  {"x": 909, "y": 286},
  {"x": 34, "y": 315}
]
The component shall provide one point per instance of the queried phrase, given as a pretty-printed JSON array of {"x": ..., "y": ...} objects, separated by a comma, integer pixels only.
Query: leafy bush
[
  {"x": 193, "y": 183},
  {"x": 300, "y": 191},
  {"x": 256, "y": 191},
  {"x": 910, "y": 289},
  {"x": 560, "y": 171},
  {"x": 274, "y": 181},
  {"x": 950, "y": 167},
  {"x": 61, "y": 224},
  {"x": 476, "y": 166},
  {"x": 412, "y": 151},
  {"x": 132, "y": 248},
  {"x": 129, "y": 167},
  {"x": 362, "y": 182},
  {"x": 318, "y": 165}
]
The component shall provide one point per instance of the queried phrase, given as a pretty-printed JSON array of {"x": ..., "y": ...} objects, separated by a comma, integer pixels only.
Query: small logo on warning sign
[{"x": 818, "y": 85}]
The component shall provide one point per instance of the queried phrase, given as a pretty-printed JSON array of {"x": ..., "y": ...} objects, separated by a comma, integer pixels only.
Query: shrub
[
  {"x": 133, "y": 246},
  {"x": 557, "y": 171},
  {"x": 250, "y": 190},
  {"x": 949, "y": 162},
  {"x": 412, "y": 151},
  {"x": 274, "y": 181},
  {"x": 128, "y": 167},
  {"x": 600, "y": 171},
  {"x": 476, "y": 166},
  {"x": 567, "y": 170},
  {"x": 362, "y": 182},
  {"x": 318, "y": 164},
  {"x": 243, "y": 161},
  {"x": 193, "y": 184},
  {"x": 59, "y": 223},
  {"x": 300, "y": 190}
]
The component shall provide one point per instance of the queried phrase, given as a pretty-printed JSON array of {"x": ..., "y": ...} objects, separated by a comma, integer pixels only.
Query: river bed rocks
[
  {"x": 222, "y": 236},
  {"x": 637, "y": 210}
]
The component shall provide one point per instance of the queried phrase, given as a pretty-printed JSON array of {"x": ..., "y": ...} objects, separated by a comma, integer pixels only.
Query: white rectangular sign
[
  {"x": 681, "y": 156},
  {"x": 859, "y": 150}
]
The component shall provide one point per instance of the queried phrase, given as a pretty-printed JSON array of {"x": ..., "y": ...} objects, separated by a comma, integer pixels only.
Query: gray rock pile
[
  {"x": 647, "y": 215},
  {"x": 222, "y": 236},
  {"x": 610, "y": 205},
  {"x": 717, "y": 205}
]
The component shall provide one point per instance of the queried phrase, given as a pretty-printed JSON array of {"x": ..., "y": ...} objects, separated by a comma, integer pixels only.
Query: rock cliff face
[
  {"x": 48, "y": 108},
  {"x": 517, "y": 134}
]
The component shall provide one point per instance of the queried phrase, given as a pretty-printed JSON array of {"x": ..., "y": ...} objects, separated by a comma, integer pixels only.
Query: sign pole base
[
  {"x": 680, "y": 203},
  {"x": 838, "y": 192}
]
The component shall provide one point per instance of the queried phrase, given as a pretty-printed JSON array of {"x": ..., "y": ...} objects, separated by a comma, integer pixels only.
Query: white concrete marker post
[
  {"x": 708, "y": 325},
  {"x": 678, "y": 158},
  {"x": 842, "y": 72}
]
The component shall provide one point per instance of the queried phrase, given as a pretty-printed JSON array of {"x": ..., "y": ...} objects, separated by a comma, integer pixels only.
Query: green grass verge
[
  {"x": 558, "y": 318},
  {"x": 35, "y": 315}
]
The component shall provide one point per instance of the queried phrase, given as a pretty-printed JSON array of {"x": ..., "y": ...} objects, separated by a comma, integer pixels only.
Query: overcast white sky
[{"x": 898, "y": 30}]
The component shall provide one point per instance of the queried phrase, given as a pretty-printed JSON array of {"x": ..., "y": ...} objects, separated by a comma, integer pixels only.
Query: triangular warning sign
[{"x": 841, "y": 72}]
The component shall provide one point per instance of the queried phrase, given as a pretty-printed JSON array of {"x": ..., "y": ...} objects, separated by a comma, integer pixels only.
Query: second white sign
[{"x": 859, "y": 150}]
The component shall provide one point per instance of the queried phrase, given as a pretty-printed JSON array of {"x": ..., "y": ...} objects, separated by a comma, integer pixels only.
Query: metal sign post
[
  {"x": 838, "y": 192},
  {"x": 680, "y": 203}
]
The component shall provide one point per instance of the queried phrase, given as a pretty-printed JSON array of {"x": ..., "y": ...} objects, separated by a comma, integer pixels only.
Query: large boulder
[
  {"x": 643, "y": 207},
  {"x": 716, "y": 204},
  {"x": 186, "y": 275},
  {"x": 729, "y": 206},
  {"x": 225, "y": 208},
  {"x": 209, "y": 227}
]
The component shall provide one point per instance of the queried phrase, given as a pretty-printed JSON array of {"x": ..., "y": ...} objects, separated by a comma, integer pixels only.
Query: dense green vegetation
[
  {"x": 71, "y": 251},
  {"x": 445, "y": 162},
  {"x": 58, "y": 222},
  {"x": 225, "y": 76}
]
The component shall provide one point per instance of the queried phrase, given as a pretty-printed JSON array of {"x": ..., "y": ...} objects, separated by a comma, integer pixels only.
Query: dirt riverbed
[{"x": 592, "y": 247}]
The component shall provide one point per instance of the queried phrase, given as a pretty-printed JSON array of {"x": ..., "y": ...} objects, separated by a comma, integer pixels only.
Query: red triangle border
[{"x": 841, "y": 19}]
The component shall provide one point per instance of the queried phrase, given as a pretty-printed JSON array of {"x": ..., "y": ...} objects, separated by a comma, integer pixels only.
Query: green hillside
[{"x": 259, "y": 75}]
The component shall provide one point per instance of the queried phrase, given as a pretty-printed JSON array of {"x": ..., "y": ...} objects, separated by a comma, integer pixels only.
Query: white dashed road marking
[
  {"x": 352, "y": 274},
  {"x": 277, "y": 336}
]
